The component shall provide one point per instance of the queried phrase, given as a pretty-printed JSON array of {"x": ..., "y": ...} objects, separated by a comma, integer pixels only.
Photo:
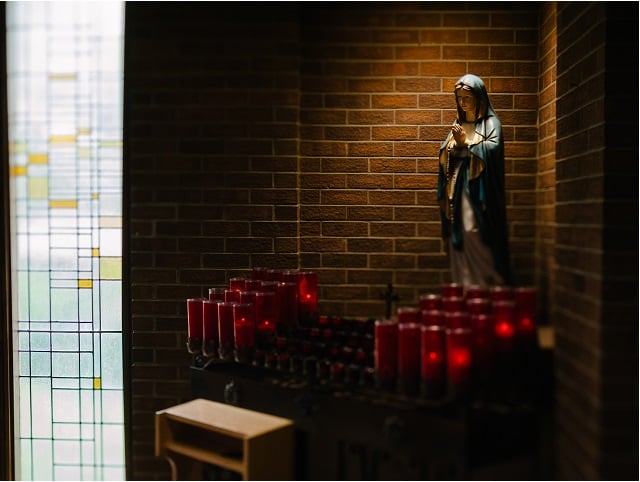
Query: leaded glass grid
[{"x": 65, "y": 78}]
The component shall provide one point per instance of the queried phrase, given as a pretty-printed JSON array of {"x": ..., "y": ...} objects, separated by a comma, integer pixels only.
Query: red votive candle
[
  {"x": 409, "y": 358},
  {"x": 408, "y": 314},
  {"x": 432, "y": 318},
  {"x": 500, "y": 293},
  {"x": 526, "y": 309},
  {"x": 259, "y": 273},
  {"x": 216, "y": 293},
  {"x": 287, "y": 301},
  {"x": 265, "y": 317},
  {"x": 194, "y": 325},
  {"x": 459, "y": 360},
  {"x": 225, "y": 329},
  {"x": 308, "y": 294},
  {"x": 236, "y": 283},
  {"x": 386, "y": 352},
  {"x": 252, "y": 285},
  {"x": 232, "y": 296},
  {"x": 456, "y": 319},
  {"x": 210, "y": 328},
  {"x": 483, "y": 344},
  {"x": 477, "y": 291},
  {"x": 453, "y": 303},
  {"x": 452, "y": 289},
  {"x": 432, "y": 360},
  {"x": 431, "y": 301},
  {"x": 244, "y": 331},
  {"x": 249, "y": 297},
  {"x": 271, "y": 286},
  {"x": 504, "y": 324},
  {"x": 478, "y": 306}
]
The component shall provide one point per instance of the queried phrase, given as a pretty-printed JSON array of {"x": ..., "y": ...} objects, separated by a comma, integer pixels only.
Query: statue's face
[{"x": 467, "y": 102}]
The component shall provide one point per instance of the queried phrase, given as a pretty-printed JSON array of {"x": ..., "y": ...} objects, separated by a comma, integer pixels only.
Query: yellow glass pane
[
  {"x": 38, "y": 187},
  {"x": 18, "y": 171},
  {"x": 38, "y": 158},
  {"x": 97, "y": 383},
  {"x": 85, "y": 283},
  {"x": 110, "y": 268},
  {"x": 63, "y": 203}
]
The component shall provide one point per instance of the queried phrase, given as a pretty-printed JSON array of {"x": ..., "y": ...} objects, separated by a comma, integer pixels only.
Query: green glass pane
[
  {"x": 64, "y": 304},
  {"x": 65, "y": 364},
  {"x": 111, "y": 368},
  {"x": 40, "y": 341},
  {"x": 25, "y": 366},
  {"x": 40, "y": 364},
  {"x": 85, "y": 308},
  {"x": 110, "y": 301},
  {"x": 86, "y": 365},
  {"x": 64, "y": 342},
  {"x": 39, "y": 299},
  {"x": 25, "y": 400}
]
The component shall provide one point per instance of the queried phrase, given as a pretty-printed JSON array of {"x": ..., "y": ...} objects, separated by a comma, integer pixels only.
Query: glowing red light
[
  {"x": 526, "y": 323},
  {"x": 434, "y": 357},
  {"x": 460, "y": 357},
  {"x": 504, "y": 329}
]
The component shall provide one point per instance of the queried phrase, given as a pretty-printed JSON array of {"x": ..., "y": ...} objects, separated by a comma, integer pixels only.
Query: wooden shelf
[{"x": 256, "y": 445}]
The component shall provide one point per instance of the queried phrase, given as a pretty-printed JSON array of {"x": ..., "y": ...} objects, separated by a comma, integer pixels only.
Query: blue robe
[{"x": 481, "y": 175}]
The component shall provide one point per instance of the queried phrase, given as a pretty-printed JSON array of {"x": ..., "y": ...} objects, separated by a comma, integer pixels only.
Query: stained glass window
[{"x": 64, "y": 69}]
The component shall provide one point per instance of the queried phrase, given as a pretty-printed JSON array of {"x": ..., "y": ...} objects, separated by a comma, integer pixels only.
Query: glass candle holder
[
  {"x": 287, "y": 296},
  {"x": 409, "y": 358},
  {"x": 194, "y": 325},
  {"x": 476, "y": 291},
  {"x": 456, "y": 319},
  {"x": 252, "y": 285},
  {"x": 459, "y": 361},
  {"x": 483, "y": 344},
  {"x": 478, "y": 305},
  {"x": 526, "y": 309},
  {"x": 432, "y": 318},
  {"x": 307, "y": 295},
  {"x": 232, "y": 296},
  {"x": 210, "y": 328},
  {"x": 386, "y": 353},
  {"x": 244, "y": 331},
  {"x": 271, "y": 286},
  {"x": 432, "y": 361},
  {"x": 217, "y": 293},
  {"x": 452, "y": 290},
  {"x": 408, "y": 314},
  {"x": 431, "y": 301},
  {"x": 236, "y": 283},
  {"x": 259, "y": 273},
  {"x": 500, "y": 293},
  {"x": 265, "y": 309},
  {"x": 504, "y": 324},
  {"x": 453, "y": 303},
  {"x": 225, "y": 330}
]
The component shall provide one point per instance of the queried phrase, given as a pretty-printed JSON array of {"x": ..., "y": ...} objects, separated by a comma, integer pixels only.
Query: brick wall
[
  {"x": 546, "y": 172},
  {"x": 596, "y": 286},
  {"x": 376, "y": 103},
  {"x": 264, "y": 135}
]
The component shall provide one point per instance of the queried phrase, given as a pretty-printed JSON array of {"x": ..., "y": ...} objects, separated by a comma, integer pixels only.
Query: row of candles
[
  {"x": 455, "y": 339},
  {"x": 443, "y": 346},
  {"x": 250, "y": 312}
]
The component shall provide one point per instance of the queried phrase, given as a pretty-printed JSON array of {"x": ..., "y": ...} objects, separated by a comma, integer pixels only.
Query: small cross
[{"x": 389, "y": 297}]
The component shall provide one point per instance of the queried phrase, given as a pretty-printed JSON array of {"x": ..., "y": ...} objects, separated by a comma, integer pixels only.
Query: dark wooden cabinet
[{"x": 356, "y": 433}]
